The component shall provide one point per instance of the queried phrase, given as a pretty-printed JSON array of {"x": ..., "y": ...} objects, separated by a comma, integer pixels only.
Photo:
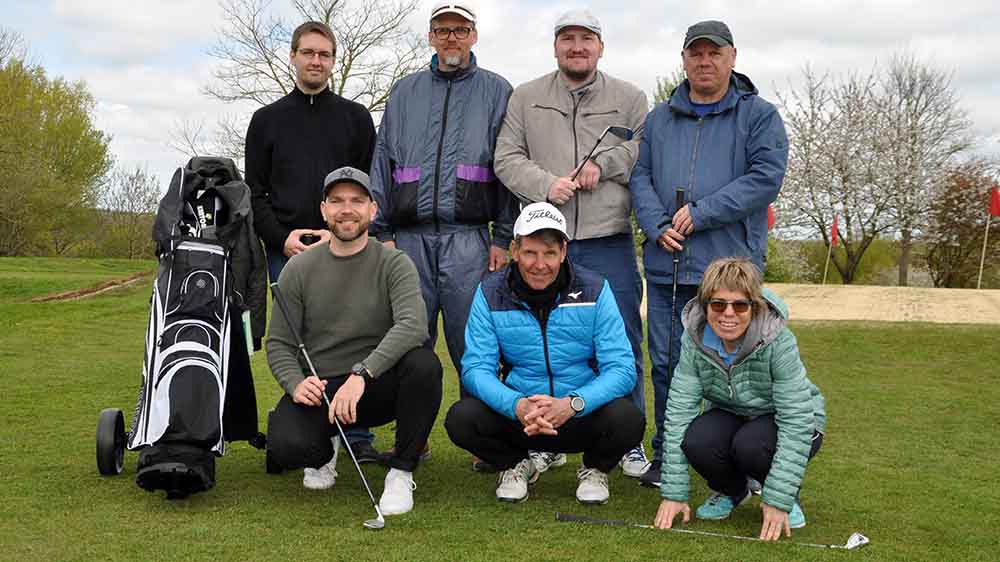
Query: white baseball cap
[
  {"x": 539, "y": 216},
  {"x": 463, "y": 9}
]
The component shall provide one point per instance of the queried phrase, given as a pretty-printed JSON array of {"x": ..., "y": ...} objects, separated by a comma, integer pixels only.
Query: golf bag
[{"x": 196, "y": 366}]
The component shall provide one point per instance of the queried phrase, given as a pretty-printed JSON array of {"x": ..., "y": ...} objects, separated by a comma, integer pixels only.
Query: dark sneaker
[
  {"x": 651, "y": 478},
  {"x": 364, "y": 452},
  {"x": 425, "y": 454}
]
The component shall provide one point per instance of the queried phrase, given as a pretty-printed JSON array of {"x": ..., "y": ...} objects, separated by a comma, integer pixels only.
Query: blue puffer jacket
[
  {"x": 583, "y": 349},
  {"x": 433, "y": 162},
  {"x": 731, "y": 163}
]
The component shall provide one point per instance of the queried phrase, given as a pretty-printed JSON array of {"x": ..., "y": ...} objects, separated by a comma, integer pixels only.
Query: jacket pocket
[
  {"x": 403, "y": 198},
  {"x": 475, "y": 194}
]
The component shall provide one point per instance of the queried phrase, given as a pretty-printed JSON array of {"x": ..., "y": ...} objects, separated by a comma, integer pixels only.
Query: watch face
[{"x": 577, "y": 404}]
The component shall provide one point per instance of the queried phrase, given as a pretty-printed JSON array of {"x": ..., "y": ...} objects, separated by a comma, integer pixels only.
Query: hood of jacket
[{"x": 765, "y": 325}]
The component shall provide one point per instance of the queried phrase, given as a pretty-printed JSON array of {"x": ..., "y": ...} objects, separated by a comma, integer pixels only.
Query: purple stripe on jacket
[
  {"x": 406, "y": 175},
  {"x": 474, "y": 173}
]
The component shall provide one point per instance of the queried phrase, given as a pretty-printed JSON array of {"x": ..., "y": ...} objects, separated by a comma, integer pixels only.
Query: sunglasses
[{"x": 739, "y": 306}]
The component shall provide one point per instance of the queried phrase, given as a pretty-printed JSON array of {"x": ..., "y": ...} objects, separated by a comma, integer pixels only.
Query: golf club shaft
[
  {"x": 679, "y": 202},
  {"x": 589, "y": 154},
  {"x": 565, "y": 517},
  {"x": 312, "y": 370}
]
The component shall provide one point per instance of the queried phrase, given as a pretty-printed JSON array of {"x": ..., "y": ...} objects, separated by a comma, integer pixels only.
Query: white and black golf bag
[{"x": 178, "y": 425}]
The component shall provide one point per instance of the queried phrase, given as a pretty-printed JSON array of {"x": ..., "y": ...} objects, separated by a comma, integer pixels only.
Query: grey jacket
[{"x": 548, "y": 129}]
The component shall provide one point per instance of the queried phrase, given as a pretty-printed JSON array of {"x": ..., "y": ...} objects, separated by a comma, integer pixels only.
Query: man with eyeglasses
[
  {"x": 726, "y": 147},
  {"x": 551, "y": 125},
  {"x": 290, "y": 144},
  {"x": 433, "y": 179}
]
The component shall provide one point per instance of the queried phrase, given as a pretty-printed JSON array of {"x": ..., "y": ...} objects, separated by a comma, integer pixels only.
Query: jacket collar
[
  {"x": 740, "y": 87},
  {"x": 301, "y": 96},
  {"x": 460, "y": 74}
]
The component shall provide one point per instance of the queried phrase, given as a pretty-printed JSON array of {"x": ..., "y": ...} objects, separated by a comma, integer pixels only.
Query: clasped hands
[
  {"x": 541, "y": 414},
  {"x": 343, "y": 406},
  {"x": 563, "y": 188}
]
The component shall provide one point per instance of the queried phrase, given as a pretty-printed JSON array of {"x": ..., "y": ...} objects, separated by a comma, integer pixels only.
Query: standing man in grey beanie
[{"x": 552, "y": 123}]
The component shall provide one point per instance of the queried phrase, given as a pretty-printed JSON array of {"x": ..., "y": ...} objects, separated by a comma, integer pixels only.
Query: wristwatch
[
  {"x": 577, "y": 403},
  {"x": 362, "y": 371}
]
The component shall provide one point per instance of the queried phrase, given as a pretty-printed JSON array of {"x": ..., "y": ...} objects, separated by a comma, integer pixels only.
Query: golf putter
[
  {"x": 379, "y": 521},
  {"x": 623, "y": 133},
  {"x": 855, "y": 541}
]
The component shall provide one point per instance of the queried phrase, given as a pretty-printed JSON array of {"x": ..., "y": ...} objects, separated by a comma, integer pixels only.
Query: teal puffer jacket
[{"x": 767, "y": 377}]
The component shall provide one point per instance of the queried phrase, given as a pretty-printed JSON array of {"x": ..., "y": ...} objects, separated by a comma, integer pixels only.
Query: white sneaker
[
  {"x": 634, "y": 463},
  {"x": 544, "y": 460},
  {"x": 593, "y": 488},
  {"x": 324, "y": 477},
  {"x": 397, "y": 496},
  {"x": 512, "y": 484}
]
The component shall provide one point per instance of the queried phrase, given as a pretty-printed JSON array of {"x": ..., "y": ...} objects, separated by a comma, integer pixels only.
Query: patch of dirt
[
  {"x": 95, "y": 290},
  {"x": 887, "y": 304}
]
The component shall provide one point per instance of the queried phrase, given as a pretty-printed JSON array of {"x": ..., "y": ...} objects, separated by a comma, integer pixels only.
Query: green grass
[{"x": 910, "y": 458}]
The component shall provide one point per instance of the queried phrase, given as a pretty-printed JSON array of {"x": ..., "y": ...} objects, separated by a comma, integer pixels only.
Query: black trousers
[
  {"x": 725, "y": 448},
  {"x": 603, "y": 436},
  {"x": 410, "y": 393}
]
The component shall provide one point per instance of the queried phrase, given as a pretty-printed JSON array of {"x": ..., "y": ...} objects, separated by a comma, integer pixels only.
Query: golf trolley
[{"x": 196, "y": 377}]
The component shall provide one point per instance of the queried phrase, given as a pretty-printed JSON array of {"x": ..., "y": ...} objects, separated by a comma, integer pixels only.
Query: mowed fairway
[{"x": 910, "y": 458}]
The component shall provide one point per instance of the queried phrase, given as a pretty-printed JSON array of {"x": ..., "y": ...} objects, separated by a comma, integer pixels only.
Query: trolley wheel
[{"x": 110, "y": 442}]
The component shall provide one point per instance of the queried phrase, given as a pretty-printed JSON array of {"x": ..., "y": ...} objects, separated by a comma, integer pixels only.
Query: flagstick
[
  {"x": 982, "y": 260},
  {"x": 827, "y": 266}
]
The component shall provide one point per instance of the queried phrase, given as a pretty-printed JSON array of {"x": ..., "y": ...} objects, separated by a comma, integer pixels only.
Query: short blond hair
[{"x": 733, "y": 274}]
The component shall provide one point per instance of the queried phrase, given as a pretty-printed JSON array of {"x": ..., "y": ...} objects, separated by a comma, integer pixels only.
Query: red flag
[
  {"x": 995, "y": 201},
  {"x": 833, "y": 232},
  {"x": 770, "y": 215}
]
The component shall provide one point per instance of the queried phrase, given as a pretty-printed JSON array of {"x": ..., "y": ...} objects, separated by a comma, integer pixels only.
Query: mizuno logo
[{"x": 575, "y": 295}]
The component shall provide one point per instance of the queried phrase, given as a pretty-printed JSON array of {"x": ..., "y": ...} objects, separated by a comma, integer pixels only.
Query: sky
[{"x": 146, "y": 61}]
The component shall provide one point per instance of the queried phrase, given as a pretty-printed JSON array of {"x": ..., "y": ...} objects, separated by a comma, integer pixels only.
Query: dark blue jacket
[
  {"x": 433, "y": 163},
  {"x": 731, "y": 163},
  {"x": 583, "y": 349}
]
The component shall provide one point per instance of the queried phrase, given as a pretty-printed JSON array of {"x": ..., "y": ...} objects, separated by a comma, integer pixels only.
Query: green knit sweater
[
  {"x": 767, "y": 377},
  {"x": 366, "y": 307}
]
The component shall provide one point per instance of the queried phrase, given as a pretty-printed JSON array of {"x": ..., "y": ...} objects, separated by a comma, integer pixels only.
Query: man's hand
[
  {"x": 682, "y": 222},
  {"x": 775, "y": 520},
  {"x": 309, "y": 392},
  {"x": 562, "y": 190},
  {"x": 390, "y": 244},
  {"x": 558, "y": 412},
  {"x": 344, "y": 405},
  {"x": 294, "y": 245},
  {"x": 670, "y": 241},
  {"x": 668, "y": 510},
  {"x": 589, "y": 176},
  {"x": 498, "y": 258},
  {"x": 530, "y": 412}
]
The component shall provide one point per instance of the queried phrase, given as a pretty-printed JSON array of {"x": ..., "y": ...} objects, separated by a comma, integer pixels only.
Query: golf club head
[
  {"x": 856, "y": 540},
  {"x": 375, "y": 524},
  {"x": 623, "y": 133}
]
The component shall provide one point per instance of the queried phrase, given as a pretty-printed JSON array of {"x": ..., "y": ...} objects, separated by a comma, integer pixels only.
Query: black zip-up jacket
[{"x": 291, "y": 145}]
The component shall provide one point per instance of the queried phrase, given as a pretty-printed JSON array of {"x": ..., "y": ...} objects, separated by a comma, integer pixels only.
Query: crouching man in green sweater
[{"x": 358, "y": 307}]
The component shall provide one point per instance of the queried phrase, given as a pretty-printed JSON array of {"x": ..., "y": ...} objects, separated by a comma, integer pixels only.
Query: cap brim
[
  {"x": 593, "y": 30},
  {"x": 457, "y": 11},
  {"x": 326, "y": 188},
  {"x": 719, "y": 41}
]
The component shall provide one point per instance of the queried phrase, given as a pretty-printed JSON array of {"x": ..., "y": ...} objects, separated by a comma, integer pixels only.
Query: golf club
[
  {"x": 379, "y": 522},
  {"x": 623, "y": 133},
  {"x": 856, "y": 540},
  {"x": 679, "y": 200}
]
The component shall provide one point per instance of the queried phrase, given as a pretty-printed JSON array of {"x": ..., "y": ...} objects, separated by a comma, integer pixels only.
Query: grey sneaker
[
  {"x": 754, "y": 486},
  {"x": 512, "y": 484},
  {"x": 651, "y": 478},
  {"x": 593, "y": 487},
  {"x": 635, "y": 463},
  {"x": 544, "y": 460}
]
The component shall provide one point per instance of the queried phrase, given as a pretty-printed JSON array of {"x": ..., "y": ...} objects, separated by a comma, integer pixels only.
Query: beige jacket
[{"x": 549, "y": 129}]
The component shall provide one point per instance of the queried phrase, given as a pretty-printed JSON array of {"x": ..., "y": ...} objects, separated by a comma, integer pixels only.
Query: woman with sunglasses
[{"x": 762, "y": 419}]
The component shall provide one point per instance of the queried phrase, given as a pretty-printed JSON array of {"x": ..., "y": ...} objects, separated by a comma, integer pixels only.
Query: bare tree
[
  {"x": 129, "y": 199},
  {"x": 375, "y": 48},
  {"x": 924, "y": 128},
  {"x": 11, "y": 45},
  {"x": 833, "y": 165}
]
